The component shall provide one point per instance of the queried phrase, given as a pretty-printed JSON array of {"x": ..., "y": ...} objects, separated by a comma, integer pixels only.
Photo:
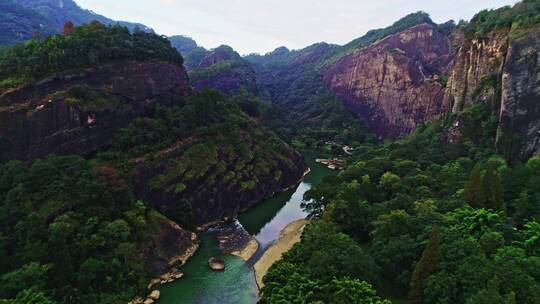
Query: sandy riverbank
[
  {"x": 248, "y": 251},
  {"x": 289, "y": 236}
]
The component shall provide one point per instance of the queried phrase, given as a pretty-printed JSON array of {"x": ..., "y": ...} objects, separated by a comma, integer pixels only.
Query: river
[{"x": 236, "y": 285}]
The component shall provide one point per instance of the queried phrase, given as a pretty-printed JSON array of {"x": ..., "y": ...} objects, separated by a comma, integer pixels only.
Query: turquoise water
[{"x": 236, "y": 285}]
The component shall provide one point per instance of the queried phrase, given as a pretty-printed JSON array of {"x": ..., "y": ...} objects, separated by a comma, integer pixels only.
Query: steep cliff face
[
  {"x": 503, "y": 70},
  {"x": 476, "y": 69},
  {"x": 394, "y": 83},
  {"x": 519, "y": 117},
  {"x": 170, "y": 246},
  {"x": 79, "y": 113}
]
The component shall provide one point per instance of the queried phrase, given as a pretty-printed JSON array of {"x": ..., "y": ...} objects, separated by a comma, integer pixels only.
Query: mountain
[
  {"x": 416, "y": 71},
  {"x": 77, "y": 104},
  {"x": 221, "y": 68},
  {"x": 295, "y": 79},
  {"x": 395, "y": 83},
  {"x": 497, "y": 64},
  {"x": 20, "y": 23},
  {"x": 22, "y": 19},
  {"x": 118, "y": 159},
  {"x": 193, "y": 54}
]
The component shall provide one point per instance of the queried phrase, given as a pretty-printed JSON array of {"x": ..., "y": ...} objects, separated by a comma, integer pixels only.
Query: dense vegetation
[
  {"x": 216, "y": 145},
  {"x": 192, "y": 53},
  {"x": 522, "y": 15},
  {"x": 443, "y": 223},
  {"x": 70, "y": 231},
  {"x": 81, "y": 47}
]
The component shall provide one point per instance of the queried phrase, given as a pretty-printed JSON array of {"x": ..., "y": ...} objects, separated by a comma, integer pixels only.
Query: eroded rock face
[
  {"x": 170, "y": 246},
  {"x": 44, "y": 118},
  {"x": 503, "y": 70},
  {"x": 519, "y": 115},
  {"x": 394, "y": 83},
  {"x": 477, "y": 64}
]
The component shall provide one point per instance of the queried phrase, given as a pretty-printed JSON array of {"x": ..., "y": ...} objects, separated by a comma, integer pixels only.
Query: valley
[
  {"x": 401, "y": 167},
  {"x": 237, "y": 283}
]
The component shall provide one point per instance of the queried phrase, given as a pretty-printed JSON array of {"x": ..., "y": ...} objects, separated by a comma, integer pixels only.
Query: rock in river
[{"x": 216, "y": 264}]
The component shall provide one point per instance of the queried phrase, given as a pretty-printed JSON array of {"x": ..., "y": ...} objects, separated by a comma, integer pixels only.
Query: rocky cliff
[
  {"x": 502, "y": 69},
  {"x": 171, "y": 246},
  {"x": 395, "y": 83},
  {"x": 79, "y": 113}
]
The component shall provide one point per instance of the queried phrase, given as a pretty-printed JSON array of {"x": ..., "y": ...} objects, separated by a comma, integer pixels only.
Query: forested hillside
[
  {"x": 97, "y": 229},
  {"x": 116, "y": 143},
  {"x": 448, "y": 214},
  {"x": 22, "y": 20},
  {"x": 452, "y": 223}
]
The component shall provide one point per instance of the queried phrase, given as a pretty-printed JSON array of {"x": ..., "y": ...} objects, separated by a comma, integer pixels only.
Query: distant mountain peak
[{"x": 21, "y": 20}]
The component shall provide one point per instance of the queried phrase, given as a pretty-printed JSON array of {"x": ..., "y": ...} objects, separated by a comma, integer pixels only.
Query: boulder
[
  {"x": 216, "y": 264},
  {"x": 154, "y": 295}
]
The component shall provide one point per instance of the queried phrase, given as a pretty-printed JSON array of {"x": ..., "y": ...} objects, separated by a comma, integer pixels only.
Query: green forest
[
  {"x": 72, "y": 229},
  {"x": 421, "y": 220},
  {"x": 80, "y": 47},
  {"x": 429, "y": 218}
]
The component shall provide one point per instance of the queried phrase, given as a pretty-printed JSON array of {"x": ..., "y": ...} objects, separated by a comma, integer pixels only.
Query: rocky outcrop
[
  {"x": 476, "y": 69},
  {"x": 79, "y": 113},
  {"x": 171, "y": 246},
  {"x": 217, "y": 55},
  {"x": 234, "y": 239},
  {"x": 502, "y": 69},
  {"x": 519, "y": 115},
  {"x": 395, "y": 83}
]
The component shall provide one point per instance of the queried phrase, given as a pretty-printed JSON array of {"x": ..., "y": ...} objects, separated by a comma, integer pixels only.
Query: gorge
[{"x": 129, "y": 159}]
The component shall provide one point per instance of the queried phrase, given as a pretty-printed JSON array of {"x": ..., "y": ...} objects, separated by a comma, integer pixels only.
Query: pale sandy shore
[
  {"x": 248, "y": 251},
  {"x": 289, "y": 236}
]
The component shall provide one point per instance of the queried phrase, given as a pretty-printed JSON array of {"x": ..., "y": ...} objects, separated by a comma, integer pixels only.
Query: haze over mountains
[{"x": 118, "y": 146}]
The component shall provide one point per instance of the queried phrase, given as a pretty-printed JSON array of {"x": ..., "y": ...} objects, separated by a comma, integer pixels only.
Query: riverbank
[
  {"x": 289, "y": 236},
  {"x": 264, "y": 224},
  {"x": 248, "y": 251}
]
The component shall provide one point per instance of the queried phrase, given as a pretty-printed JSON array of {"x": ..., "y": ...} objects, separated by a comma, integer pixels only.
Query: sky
[{"x": 260, "y": 26}]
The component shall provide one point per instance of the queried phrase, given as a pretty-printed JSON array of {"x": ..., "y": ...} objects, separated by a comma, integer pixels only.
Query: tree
[
  {"x": 428, "y": 265},
  {"x": 490, "y": 295},
  {"x": 29, "y": 296},
  {"x": 474, "y": 192},
  {"x": 493, "y": 189},
  {"x": 348, "y": 290},
  {"x": 29, "y": 276}
]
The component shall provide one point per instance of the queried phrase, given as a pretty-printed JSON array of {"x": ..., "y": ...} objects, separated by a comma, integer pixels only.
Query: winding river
[{"x": 236, "y": 285}]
